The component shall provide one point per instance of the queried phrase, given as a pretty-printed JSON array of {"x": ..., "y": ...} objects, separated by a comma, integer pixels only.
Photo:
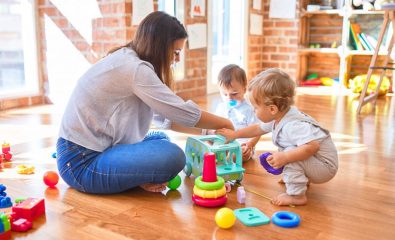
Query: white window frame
[
  {"x": 211, "y": 84},
  {"x": 30, "y": 50}
]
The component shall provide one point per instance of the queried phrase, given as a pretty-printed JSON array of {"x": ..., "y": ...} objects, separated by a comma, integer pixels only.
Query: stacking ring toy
[
  {"x": 209, "y": 185},
  {"x": 266, "y": 165},
  {"x": 286, "y": 219},
  {"x": 209, "y": 193},
  {"x": 214, "y": 202}
]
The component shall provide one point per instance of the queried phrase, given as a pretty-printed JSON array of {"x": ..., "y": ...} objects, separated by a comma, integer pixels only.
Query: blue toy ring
[{"x": 286, "y": 219}]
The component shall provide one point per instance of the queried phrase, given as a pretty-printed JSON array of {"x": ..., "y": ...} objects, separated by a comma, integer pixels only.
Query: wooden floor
[{"x": 359, "y": 203}]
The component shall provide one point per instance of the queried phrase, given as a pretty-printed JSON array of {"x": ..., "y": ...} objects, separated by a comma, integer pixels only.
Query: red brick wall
[
  {"x": 277, "y": 47},
  {"x": 194, "y": 83},
  {"x": 256, "y": 56},
  {"x": 110, "y": 31},
  {"x": 280, "y": 42}
]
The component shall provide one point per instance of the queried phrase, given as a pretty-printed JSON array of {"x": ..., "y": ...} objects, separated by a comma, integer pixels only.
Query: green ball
[{"x": 174, "y": 183}]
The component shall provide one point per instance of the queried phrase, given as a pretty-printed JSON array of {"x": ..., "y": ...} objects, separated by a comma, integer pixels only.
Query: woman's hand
[
  {"x": 277, "y": 159},
  {"x": 229, "y": 134}
]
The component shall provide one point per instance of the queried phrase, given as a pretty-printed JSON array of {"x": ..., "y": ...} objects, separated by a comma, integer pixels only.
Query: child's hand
[
  {"x": 246, "y": 150},
  {"x": 227, "y": 133},
  {"x": 277, "y": 159},
  {"x": 207, "y": 132}
]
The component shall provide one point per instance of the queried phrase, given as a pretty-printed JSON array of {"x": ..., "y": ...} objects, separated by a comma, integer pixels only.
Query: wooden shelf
[
  {"x": 364, "y": 12},
  {"x": 365, "y": 53},
  {"x": 324, "y": 27},
  {"x": 318, "y": 50},
  {"x": 305, "y": 13}
]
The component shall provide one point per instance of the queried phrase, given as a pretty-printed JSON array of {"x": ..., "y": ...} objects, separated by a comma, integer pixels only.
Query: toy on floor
[
  {"x": 21, "y": 225},
  {"x": 286, "y": 219},
  {"x": 25, "y": 169},
  {"x": 5, "y": 202},
  {"x": 228, "y": 156},
  {"x": 266, "y": 165},
  {"x": 225, "y": 218},
  {"x": 20, "y": 199},
  {"x": 209, "y": 189},
  {"x": 5, "y": 227},
  {"x": 357, "y": 83},
  {"x": 30, "y": 209},
  {"x": 174, "y": 183},
  {"x": 51, "y": 178},
  {"x": 251, "y": 216},
  {"x": 241, "y": 195},
  {"x": 6, "y": 155}
]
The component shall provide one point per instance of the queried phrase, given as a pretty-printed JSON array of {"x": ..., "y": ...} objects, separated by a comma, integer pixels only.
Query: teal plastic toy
[
  {"x": 228, "y": 156},
  {"x": 251, "y": 216}
]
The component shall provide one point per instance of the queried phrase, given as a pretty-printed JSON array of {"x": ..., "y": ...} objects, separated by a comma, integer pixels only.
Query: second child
[
  {"x": 232, "y": 82},
  {"x": 305, "y": 149}
]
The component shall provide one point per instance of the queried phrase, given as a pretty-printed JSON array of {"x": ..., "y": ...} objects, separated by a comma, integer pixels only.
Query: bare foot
[
  {"x": 154, "y": 187},
  {"x": 284, "y": 199}
]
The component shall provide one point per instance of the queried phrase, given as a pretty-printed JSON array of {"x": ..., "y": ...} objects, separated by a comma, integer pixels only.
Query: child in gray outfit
[{"x": 306, "y": 149}]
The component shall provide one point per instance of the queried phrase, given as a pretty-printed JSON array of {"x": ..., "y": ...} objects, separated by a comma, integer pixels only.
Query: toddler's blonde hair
[{"x": 273, "y": 87}]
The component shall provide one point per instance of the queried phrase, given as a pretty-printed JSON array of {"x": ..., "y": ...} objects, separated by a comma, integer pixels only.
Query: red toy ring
[{"x": 209, "y": 202}]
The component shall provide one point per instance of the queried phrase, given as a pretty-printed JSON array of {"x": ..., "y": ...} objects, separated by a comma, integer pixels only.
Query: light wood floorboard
[{"x": 359, "y": 203}]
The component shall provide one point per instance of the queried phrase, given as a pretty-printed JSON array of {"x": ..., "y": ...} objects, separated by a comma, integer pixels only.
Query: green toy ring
[{"x": 210, "y": 185}]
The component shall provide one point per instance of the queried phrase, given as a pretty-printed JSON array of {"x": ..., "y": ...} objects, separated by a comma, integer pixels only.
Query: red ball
[{"x": 51, "y": 178}]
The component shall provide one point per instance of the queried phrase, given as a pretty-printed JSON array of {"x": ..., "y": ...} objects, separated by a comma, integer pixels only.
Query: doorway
[{"x": 227, "y": 37}]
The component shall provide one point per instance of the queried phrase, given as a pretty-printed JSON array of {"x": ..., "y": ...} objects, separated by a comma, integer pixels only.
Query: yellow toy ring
[
  {"x": 209, "y": 193},
  {"x": 210, "y": 185}
]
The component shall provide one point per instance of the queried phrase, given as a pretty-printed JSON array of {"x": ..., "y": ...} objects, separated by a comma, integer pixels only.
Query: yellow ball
[{"x": 225, "y": 218}]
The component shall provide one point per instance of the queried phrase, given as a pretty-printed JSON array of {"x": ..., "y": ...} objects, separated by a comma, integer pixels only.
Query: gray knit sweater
[{"x": 114, "y": 101}]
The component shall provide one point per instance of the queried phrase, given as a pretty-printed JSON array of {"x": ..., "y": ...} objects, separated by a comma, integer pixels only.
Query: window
[
  {"x": 18, "y": 50},
  {"x": 226, "y": 37},
  {"x": 175, "y": 8}
]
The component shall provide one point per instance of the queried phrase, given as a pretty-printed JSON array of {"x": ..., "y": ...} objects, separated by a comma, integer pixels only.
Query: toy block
[
  {"x": 5, "y": 235},
  {"x": 4, "y": 223},
  {"x": 241, "y": 195},
  {"x": 5, "y": 202},
  {"x": 21, "y": 225},
  {"x": 30, "y": 209},
  {"x": 251, "y": 216}
]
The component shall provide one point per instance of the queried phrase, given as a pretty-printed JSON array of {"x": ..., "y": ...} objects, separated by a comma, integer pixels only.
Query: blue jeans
[{"x": 121, "y": 167}]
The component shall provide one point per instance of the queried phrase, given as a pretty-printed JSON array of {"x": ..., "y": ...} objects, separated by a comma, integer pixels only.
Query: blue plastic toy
[
  {"x": 251, "y": 216},
  {"x": 286, "y": 219},
  {"x": 5, "y": 202},
  {"x": 228, "y": 156},
  {"x": 266, "y": 165}
]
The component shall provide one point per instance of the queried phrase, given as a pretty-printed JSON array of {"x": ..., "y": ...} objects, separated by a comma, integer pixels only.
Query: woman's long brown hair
[{"x": 153, "y": 42}]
